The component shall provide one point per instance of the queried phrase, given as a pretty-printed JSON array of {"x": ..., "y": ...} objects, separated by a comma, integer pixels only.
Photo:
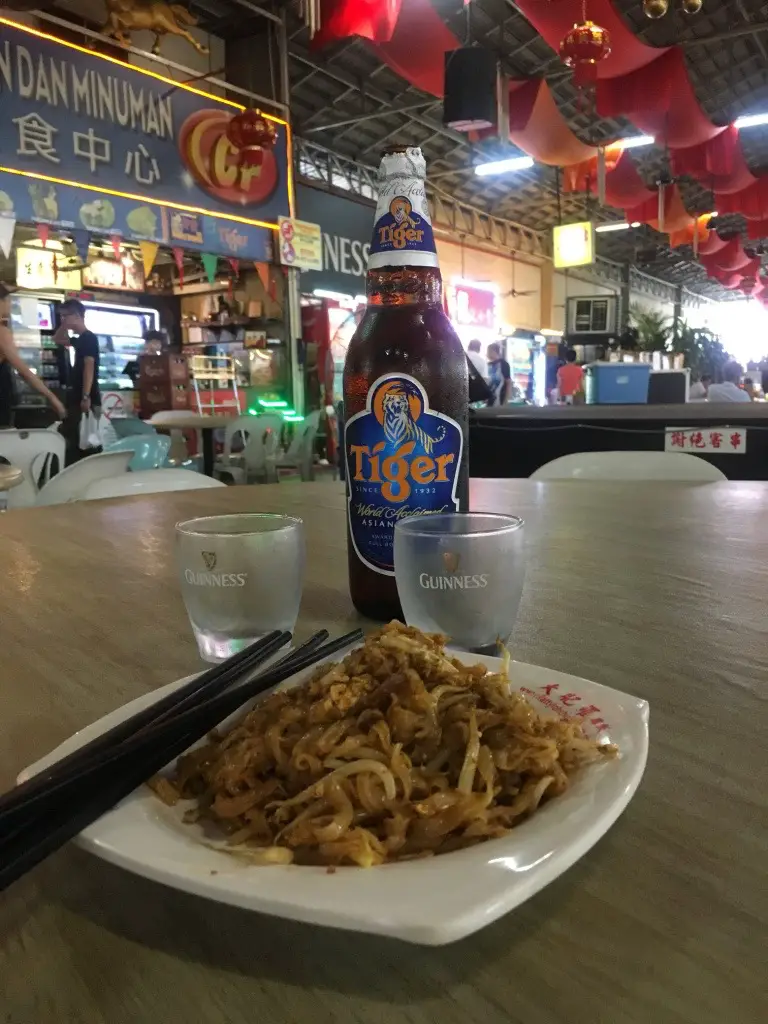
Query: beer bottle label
[
  {"x": 403, "y": 460},
  {"x": 402, "y": 232}
]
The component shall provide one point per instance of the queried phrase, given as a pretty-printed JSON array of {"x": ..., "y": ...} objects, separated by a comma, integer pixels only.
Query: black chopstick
[
  {"x": 135, "y": 761},
  {"x": 214, "y": 680},
  {"x": 59, "y": 783},
  {"x": 141, "y": 760}
]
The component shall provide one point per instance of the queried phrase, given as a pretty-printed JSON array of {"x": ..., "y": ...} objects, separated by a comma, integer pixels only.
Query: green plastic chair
[
  {"x": 131, "y": 426},
  {"x": 150, "y": 450}
]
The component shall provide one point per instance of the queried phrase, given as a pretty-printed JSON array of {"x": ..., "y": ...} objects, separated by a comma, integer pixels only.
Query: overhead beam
[
  {"x": 330, "y": 71},
  {"x": 367, "y": 117}
]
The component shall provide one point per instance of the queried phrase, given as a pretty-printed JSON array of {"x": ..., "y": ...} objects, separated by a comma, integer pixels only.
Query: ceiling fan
[{"x": 513, "y": 293}]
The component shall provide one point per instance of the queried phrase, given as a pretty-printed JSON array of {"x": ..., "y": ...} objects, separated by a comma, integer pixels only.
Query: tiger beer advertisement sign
[{"x": 403, "y": 460}]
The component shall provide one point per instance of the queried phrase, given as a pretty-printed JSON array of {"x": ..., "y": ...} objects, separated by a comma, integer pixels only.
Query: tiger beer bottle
[{"x": 405, "y": 390}]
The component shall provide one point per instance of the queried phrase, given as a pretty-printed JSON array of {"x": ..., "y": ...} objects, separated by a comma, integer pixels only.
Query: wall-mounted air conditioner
[{"x": 594, "y": 314}]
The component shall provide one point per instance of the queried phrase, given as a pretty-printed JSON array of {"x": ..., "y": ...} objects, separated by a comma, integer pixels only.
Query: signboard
[
  {"x": 124, "y": 277},
  {"x": 300, "y": 244},
  {"x": 573, "y": 245},
  {"x": 35, "y": 269},
  {"x": 474, "y": 305},
  {"x": 98, "y": 144},
  {"x": 346, "y": 226},
  {"x": 116, "y": 405},
  {"x": 723, "y": 440}
]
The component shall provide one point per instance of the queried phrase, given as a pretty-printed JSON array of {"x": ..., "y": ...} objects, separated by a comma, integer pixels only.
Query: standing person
[
  {"x": 479, "y": 362},
  {"x": 499, "y": 376},
  {"x": 83, "y": 395},
  {"x": 700, "y": 389},
  {"x": 10, "y": 360},
  {"x": 570, "y": 377},
  {"x": 729, "y": 390},
  {"x": 153, "y": 346}
]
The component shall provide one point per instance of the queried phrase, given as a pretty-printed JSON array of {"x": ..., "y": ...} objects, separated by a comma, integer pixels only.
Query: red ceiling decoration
[
  {"x": 370, "y": 19},
  {"x": 648, "y": 85}
]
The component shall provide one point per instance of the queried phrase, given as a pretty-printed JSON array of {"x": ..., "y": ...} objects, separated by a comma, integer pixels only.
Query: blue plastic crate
[{"x": 617, "y": 383}]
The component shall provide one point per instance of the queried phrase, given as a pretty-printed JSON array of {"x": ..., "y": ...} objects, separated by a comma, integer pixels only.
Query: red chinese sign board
[{"x": 724, "y": 440}]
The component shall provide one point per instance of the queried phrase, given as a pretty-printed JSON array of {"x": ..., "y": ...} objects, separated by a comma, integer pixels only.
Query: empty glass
[
  {"x": 461, "y": 574},
  {"x": 241, "y": 577}
]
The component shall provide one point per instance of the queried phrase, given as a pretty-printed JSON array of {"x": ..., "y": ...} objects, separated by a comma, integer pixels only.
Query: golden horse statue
[{"x": 153, "y": 15}]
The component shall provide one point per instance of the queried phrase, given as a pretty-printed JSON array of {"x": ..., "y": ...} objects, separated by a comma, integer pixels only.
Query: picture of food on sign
[
  {"x": 6, "y": 203},
  {"x": 45, "y": 205},
  {"x": 143, "y": 221},
  {"x": 98, "y": 215}
]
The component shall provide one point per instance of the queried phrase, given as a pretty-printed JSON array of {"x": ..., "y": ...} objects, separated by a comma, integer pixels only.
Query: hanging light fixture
[{"x": 655, "y": 9}]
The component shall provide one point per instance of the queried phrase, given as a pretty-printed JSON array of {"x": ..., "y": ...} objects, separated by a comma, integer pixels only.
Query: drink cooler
[{"x": 617, "y": 383}]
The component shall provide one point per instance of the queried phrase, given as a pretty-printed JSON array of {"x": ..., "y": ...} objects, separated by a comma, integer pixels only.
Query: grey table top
[{"x": 658, "y": 590}]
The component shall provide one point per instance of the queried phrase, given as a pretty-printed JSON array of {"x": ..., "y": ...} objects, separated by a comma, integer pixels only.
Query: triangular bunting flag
[
  {"x": 262, "y": 269},
  {"x": 82, "y": 240},
  {"x": 43, "y": 232},
  {"x": 148, "y": 255},
  {"x": 178, "y": 255},
  {"x": 210, "y": 266},
  {"x": 117, "y": 246},
  {"x": 235, "y": 265},
  {"x": 7, "y": 228}
]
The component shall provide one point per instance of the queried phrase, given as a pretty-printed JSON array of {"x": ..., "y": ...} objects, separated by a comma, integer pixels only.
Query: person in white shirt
[
  {"x": 729, "y": 390},
  {"x": 699, "y": 389},
  {"x": 480, "y": 362}
]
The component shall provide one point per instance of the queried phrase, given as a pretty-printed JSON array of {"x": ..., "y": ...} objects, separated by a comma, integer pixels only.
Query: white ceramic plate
[{"x": 430, "y": 901}]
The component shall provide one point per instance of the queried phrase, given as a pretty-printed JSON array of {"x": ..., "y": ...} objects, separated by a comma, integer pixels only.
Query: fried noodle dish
[{"x": 398, "y": 751}]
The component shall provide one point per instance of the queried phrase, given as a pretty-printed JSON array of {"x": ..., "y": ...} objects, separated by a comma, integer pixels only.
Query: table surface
[
  {"x": 189, "y": 421},
  {"x": 656, "y": 590}
]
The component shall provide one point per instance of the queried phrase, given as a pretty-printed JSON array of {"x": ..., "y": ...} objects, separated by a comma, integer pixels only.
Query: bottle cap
[{"x": 402, "y": 232}]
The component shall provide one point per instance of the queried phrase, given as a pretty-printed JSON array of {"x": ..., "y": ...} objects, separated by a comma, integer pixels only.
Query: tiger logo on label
[
  {"x": 399, "y": 424},
  {"x": 403, "y": 460}
]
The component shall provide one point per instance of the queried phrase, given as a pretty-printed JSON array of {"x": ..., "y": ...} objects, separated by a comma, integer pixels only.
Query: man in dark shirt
[
  {"x": 499, "y": 376},
  {"x": 83, "y": 395}
]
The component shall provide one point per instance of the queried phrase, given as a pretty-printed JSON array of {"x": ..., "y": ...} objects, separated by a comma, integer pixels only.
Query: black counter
[{"x": 513, "y": 441}]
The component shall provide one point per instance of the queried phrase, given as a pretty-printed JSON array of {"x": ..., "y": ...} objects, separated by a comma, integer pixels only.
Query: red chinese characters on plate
[{"x": 568, "y": 705}]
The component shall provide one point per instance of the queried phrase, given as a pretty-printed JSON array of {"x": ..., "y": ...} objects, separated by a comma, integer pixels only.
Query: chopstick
[
  {"x": 137, "y": 760},
  {"x": 214, "y": 680},
  {"x": 57, "y": 783}
]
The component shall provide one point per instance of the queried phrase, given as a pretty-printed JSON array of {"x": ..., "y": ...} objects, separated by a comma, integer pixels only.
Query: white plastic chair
[
  {"x": 72, "y": 483},
  {"x": 261, "y": 440},
  {"x": 300, "y": 452},
  {"x": 34, "y": 452},
  {"x": 611, "y": 466},
  {"x": 149, "y": 481}
]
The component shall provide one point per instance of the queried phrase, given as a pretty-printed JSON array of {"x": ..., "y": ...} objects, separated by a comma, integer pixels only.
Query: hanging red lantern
[
  {"x": 583, "y": 48},
  {"x": 251, "y": 133}
]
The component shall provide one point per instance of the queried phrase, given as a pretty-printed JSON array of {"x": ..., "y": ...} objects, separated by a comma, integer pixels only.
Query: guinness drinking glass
[
  {"x": 461, "y": 574},
  {"x": 241, "y": 578}
]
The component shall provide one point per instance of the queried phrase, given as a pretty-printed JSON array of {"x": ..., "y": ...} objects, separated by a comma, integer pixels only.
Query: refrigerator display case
[
  {"x": 32, "y": 322},
  {"x": 120, "y": 330}
]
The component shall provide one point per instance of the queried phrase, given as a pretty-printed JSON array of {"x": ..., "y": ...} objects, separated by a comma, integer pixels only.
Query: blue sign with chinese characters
[{"x": 98, "y": 144}]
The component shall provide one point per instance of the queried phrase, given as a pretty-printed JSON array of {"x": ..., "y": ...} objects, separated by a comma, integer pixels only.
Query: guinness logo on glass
[{"x": 209, "y": 557}]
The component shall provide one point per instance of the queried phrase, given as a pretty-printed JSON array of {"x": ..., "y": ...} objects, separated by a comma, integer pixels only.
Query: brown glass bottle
[{"x": 405, "y": 404}]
